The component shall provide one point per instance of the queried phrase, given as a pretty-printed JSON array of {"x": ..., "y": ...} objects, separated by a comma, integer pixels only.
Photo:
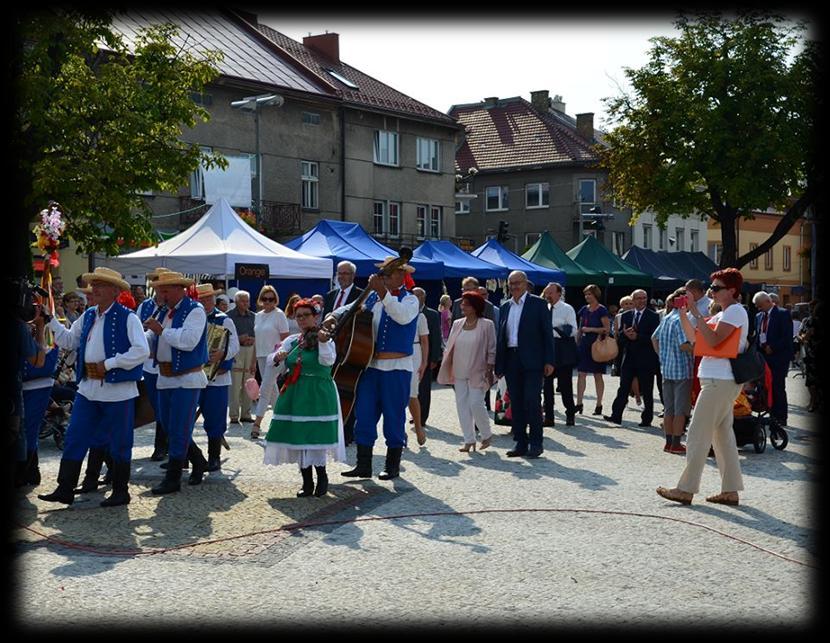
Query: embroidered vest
[
  {"x": 50, "y": 363},
  {"x": 393, "y": 337},
  {"x": 116, "y": 340},
  {"x": 218, "y": 317},
  {"x": 185, "y": 360},
  {"x": 145, "y": 310}
]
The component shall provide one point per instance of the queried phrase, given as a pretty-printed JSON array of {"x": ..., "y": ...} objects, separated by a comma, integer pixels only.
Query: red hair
[
  {"x": 731, "y": 278},
  {"x": 475, "y": 299},
  {"x": 312, "y": 305}
]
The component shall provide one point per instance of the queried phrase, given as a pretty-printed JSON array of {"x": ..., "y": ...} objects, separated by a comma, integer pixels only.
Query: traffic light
[{"x": 502, "y": 235}]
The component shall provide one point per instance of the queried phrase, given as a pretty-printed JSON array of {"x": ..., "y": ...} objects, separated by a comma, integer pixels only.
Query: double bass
[{"x": 354, "y": 338}]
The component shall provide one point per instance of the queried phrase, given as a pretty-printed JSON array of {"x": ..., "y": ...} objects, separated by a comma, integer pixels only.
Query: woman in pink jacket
[{"x": 469, "y": 359}]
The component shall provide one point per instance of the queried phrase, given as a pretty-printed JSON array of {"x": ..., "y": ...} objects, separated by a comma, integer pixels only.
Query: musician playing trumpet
[{"x": 383, "y": 388}]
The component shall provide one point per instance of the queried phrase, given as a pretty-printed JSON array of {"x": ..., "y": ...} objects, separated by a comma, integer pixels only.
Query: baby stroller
[
  {"x": 61, "y": 398},
  {"x": 755, "y": 427}
]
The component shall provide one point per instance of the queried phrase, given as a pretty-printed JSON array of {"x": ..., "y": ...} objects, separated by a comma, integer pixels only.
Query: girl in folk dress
[{"x": 307, "y": 427}]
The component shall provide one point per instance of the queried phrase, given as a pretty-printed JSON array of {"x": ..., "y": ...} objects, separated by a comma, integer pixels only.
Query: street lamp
[{"x": 253, "y": 104}]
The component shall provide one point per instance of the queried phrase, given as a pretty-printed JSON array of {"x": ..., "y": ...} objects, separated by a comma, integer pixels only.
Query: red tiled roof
[
  {"x": 370, "y": 92},
  {"x": 513, "y": 134}
]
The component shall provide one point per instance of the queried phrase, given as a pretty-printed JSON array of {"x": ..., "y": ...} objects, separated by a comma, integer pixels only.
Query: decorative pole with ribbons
[{"x": 48, "y": 233}]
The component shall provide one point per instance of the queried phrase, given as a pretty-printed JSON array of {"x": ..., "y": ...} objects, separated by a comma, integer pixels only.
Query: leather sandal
[
  {"x": 676, "y": 495},
  {"x": 485, "y": 443},
  {"x": 723, "y": 498},
  {"x": 255, "y": 433}
]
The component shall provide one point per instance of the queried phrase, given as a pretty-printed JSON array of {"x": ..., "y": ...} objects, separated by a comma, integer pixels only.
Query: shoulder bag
[
  {"x": 604, "y": 349},
  {"x": 749, "y": 365}
]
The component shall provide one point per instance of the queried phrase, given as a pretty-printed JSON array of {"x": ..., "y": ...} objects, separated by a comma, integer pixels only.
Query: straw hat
[
  {"x": 106, "y": 275},
  {"x": 206, "y": 290},
  {"x": 388, "y": 260},
  {"x": 170, "y": 278},
  {"x": 155, "y": 272}
]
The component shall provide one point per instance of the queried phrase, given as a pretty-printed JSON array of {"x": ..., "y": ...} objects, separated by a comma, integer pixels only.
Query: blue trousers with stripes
[
  {"x": 177, "y": 407},
  {"x": 105, "y": 424},
  {"x": 35, "y": 403},
  {"x": 213, "y": 403},
  {"x": 381, "y": 393}
]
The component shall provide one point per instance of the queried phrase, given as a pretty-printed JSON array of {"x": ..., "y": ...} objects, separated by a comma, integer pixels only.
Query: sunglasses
[
  {"x": 715, "y": 288},
  {"x": 267, "y": 299}
]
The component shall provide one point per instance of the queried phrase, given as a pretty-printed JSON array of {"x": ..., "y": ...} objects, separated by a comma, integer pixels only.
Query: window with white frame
[
  {"x": 788, "y": 258},
  {"x": 394, "y": 219},
  {"x": 197, "y": 183},
  {"x": 462, "y": 207},
  {"x": 694, "y": 240},
  {"x": 435, "y": 222},
  {"x": 680, "y": 239},
  {"x": 497, "y": 198},
  {"x": 427, "y": 154},
  {"x": 310, "y": 179},
  {"x": 379, "y": 217},
  {"x": 618, "y": 243},
  {"x": 768, "y": 260},
  {"x": 715, "y": 251},
  {"x": 421, "y": 221},
  {"x": 537, "y": 195},
  {"x": 662, "y": 238},
  {"x": 646, "y": 236},
  {"x": 311, "y": 118},
  {"x": 587, "y": 194},
  {"x": 386, "y": 147},
  {"x": 753, "y": 263}
]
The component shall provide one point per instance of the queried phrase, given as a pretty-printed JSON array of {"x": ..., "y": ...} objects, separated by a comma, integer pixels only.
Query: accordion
[{"x": 217, "y": 340}]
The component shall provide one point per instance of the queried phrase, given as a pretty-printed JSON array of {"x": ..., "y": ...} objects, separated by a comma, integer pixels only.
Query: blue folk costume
[
  {"x": 37, "y": 390},
  {"x": 147, "y": 309}
]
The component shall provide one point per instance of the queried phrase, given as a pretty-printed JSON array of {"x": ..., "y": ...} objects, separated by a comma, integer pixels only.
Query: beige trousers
[
  {"x": 711, "y": 425},
  {"x": 238, "y": 397}
]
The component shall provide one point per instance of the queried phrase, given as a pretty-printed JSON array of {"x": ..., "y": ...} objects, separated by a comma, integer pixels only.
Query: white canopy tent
[{"x": 214, "y": 244}]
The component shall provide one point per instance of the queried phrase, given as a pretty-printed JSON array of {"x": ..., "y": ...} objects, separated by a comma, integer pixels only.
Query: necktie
[
  {"x": 765, "y": 322},
  {"x": 636, "y": 319},
  {"x": 339, "y": 299}
]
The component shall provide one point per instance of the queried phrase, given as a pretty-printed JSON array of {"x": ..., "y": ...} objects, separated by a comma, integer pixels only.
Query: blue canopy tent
[
  {"x": 457, "y": 265},
  {"x": 344, "y": 241},
  {"x": 667, "y": 276},
  {"x": 497, "y": 254}
]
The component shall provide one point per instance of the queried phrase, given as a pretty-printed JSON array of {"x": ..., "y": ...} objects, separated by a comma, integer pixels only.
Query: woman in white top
[
  {"x": 270, "y": 328},
  {"x": 711, "y": 423}
]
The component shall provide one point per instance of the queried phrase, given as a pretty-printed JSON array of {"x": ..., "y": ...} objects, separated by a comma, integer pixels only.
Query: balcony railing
[
  {"x": 281, "y": 219},
  {"x": 191, "y": 210}
]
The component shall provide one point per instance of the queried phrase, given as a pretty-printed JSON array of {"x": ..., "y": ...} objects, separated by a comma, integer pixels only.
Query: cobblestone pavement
[{"x": 576, "y": 537}]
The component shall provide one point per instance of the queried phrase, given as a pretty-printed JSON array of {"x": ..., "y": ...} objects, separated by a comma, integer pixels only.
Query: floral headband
[{"x": 308, "y": 303}]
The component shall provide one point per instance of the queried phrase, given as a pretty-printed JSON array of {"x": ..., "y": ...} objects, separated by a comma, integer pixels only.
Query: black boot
[
  {"x": 200, "y": 465},
  {"x": 214, "y": 451},
  {"x": 120, "y": 486},
  {"x": 322, "y": 482},
  {"x": 68, "y": 474},
  {"x": 364, "y": 464},
  {"x": 185, "y": 465},
  {"x": 308, "y": 483},
  {"x": 110, "y": 466},
  {"x": 393, "y": 463},
  {"x": 172, "y": 479},
  {"x": 93, "y": 469},
  {"x": 32, "y": 470},
  {"x": 20, "y": 468},
  {"x": 160, "y": 444}
]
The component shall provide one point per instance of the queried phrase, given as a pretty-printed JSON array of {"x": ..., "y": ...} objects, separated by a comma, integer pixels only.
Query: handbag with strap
[
  {"x": 604, "y": 349},
  {"x": 566, "y": 353},
  {"x": 749, "y": 365}
]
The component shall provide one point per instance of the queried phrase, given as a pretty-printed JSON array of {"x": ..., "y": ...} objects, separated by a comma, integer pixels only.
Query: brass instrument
[{"x": 218, "y": 338}]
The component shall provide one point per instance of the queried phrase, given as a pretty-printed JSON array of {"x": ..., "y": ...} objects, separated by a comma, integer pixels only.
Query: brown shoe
[
  {"x": 724, "y": 498},
  {"x": 676, "y": 495},
  {"x": 421, "y": 435}
]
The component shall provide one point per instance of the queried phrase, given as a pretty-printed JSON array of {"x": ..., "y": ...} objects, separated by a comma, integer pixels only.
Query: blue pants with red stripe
[
  {"x": 381, "y": 393},
  {"x": 177, "y": 407},
  {"x": 105, "y": 424},
  {"x": 213, "y": 403},
  {"x": 35, "y": 403}
]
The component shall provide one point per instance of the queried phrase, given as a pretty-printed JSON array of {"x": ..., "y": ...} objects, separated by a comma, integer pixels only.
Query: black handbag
[
  {"x": 749, "y": 365},
  {"x": 566, "y": 353}
]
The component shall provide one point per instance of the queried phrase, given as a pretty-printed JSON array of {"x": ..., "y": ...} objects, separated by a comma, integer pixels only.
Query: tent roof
[
  {"x": 457, "y": 263},
  {"x": 344, "y": 241},
  {"x": 496, "y": 253},
  {"x": 665, "y": 272},
  {"x": 215, "y": 243},
  {"x": 546, "y": 252},
  {"x": 592, "y": 253}
]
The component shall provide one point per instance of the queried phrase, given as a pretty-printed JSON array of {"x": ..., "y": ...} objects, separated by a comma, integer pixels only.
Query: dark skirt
[{"x": 586, "y": 362}]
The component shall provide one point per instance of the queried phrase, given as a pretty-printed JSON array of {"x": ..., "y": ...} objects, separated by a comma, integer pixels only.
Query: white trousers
[
  {"x": 469, "y": 402},
  {"x": 268, "y": 392}
]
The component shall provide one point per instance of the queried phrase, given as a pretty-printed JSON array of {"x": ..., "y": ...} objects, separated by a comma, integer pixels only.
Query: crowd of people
[{"x": 285, "y": 359}]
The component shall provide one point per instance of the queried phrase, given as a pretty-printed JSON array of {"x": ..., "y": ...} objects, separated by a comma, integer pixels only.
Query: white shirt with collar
[
  {"x": 149, "y": 367},
  {"x": 184, "y": 339},
  {"x": 233, "y": 349},
  {"x": 101, "y": 390},
  {"x": 703, "y": 305},
  {"x": 563, "y": 313},
  {"x": 514, "y": 314},
  {"x": 346, "y": 292}
]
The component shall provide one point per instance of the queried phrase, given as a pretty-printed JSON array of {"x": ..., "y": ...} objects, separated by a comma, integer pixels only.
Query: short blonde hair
[
  {"x": 268, "y": 288},
  {"x": 445, "y": 300},
  {"x": 627, "y": 299}
]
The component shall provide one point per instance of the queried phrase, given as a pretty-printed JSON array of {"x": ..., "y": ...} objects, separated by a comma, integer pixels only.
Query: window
[
  {"x": 497, "y": 198},
  {"x": 435, "y": 222},
  {"x": 647, "y": 237},
  {"x": 394, "y": 219},
  {"x": 662, "y": 239},
  {"x": 197, "y": 182},
  {"x": 310, "y": 178},
  {"x": 768, "y": 260},
  {"x": 342, "y": 79},
  {"x": 537, "y": 195},
  {"x": 754, "y": 262},
  {"x": 680, "y": 237},
  {"x": 788, "y": 260},
  {"x": 462, "y": 207},
  {"x": 311, "y": 118},
  {"x": 693, "y": 240},
  {"x": 618, "y": 243},
  {"x": 201, "y": 99},
  {"x": 386, "y": 147},
  {"x": 587, "y": 194},
  {"x": 380, "y": 217},
  {"x": 715, "y": 251},
  {"x": 427, "y": 154},
  {"x": 421, "y": 221}
]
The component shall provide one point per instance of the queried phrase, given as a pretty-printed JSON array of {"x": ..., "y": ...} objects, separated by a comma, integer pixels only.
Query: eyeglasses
[
  {"x": 715, "y": 288},
  {"x": 267, "y": 299},
  {"x": 302, "y": 315}
]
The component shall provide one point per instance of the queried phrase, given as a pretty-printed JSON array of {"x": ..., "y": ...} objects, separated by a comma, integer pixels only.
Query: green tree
[
  {"x": 719, "y": 123},
  {"x": 98, "y": 121}
]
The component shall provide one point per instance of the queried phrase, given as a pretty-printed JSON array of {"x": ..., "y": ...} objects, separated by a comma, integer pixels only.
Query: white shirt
[
  {"x": 233, "y": 349},
  {"x": 101, "y": 390},
  {"x": 720, "y": 368},
  {"x": 40, "y": 382},
  {"x": 268, "y": 327},
  {"x": 514, "y": 314},
  {"x": 703, "y": 305},
  {"x": 184, "y": 339},
  {"x": 346, "y": 292},
  {"x": 563, "y": 313}
]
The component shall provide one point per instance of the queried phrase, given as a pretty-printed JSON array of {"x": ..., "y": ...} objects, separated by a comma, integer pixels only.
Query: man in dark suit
[
  {"x": 346, "y": 292},
  {"x": 774, "y": 328},
  {"x": 471, "y": 283},
  {"x": 524, "y": 356},
  {"x": 639, "y": 358},
  {"x": 434, "y": 325}
]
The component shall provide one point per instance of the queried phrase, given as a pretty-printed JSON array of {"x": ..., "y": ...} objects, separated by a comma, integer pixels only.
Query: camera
[
  {"x": 681, "y": 300},
  {"x": 24, "y": 298}
]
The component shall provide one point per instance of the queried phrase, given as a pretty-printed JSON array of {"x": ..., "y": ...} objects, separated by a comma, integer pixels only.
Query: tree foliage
[
  {"x": 719, "y": 123},
  {"x": 100, "y": 120}
]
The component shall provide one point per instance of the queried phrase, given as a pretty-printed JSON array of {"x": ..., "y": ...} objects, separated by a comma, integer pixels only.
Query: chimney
[
  {"x": 585, "y": 126},
  {"x": 490, "y": 101},
  {"x": 540, "y": 100},
  {"x": 557, "y": 104},
  {"x": 325, "y": 44}
]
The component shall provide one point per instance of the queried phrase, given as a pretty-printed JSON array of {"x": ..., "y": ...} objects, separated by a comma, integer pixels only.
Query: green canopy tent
[
  {"x": 621, "y": 278},
  {"x": 546, "y": 252}
]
